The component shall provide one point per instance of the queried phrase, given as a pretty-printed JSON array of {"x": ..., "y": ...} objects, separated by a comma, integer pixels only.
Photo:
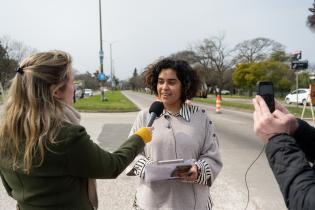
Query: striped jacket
[{"x": 190, "y": 134}]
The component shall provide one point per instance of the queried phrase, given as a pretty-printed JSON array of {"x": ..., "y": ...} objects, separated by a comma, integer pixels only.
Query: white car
[
  {"x": 225, "y": 92},
  {"x": 88, "y": 92},
  {"x": 301, "y": 96}
]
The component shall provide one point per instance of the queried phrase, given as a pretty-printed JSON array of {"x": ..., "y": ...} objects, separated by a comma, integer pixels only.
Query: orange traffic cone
[{"x": 217, "y": 104}]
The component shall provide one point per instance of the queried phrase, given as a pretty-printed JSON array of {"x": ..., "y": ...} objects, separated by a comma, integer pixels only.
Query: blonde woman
[{"x": 41, "y": 143}]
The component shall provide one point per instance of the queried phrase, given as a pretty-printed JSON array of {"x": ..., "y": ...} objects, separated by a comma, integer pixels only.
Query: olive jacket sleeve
[{"x": 84, "y": 158}]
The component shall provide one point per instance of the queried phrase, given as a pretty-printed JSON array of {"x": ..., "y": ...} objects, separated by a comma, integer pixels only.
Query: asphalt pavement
[{"x": 109, "y": 130}]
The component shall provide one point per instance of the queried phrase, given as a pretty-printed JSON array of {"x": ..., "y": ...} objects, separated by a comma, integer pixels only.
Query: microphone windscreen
[{"x": 157, "y": 108}]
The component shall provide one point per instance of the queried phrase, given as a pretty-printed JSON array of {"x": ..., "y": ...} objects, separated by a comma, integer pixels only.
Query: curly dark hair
[{"x": 186, "y": 74}]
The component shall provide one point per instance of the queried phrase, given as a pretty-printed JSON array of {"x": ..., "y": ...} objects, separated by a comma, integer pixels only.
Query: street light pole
[
  {"x": 101, "y": 55},
  {"x": 111, "y": 65}
]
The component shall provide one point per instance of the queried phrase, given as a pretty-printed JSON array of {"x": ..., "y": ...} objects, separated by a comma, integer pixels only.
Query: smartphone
[
  {"x": 180, "y": 169},
  {"x": 265, "y": 90}
]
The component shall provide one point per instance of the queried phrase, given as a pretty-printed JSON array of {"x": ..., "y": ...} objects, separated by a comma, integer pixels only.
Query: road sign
[
  {"x": 299, "y": 65},
  {"x": 101, "y": 77}
]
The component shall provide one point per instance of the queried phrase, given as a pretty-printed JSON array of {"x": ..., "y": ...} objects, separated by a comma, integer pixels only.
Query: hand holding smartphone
[{"x": 265, "y": 90}]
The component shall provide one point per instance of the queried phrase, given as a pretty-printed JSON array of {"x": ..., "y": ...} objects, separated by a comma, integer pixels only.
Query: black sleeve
[
  {"x": 305, "y": 137},
  {"x": 294, "y": 175}
]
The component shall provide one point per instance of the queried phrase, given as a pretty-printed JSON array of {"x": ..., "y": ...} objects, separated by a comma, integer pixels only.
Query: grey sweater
[{"x": 180, "y": 137}]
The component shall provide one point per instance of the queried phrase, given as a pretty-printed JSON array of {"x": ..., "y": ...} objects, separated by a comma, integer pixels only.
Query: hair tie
[{"x": 19, "y": 70}]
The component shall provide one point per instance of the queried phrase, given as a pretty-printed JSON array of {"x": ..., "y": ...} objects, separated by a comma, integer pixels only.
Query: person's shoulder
[
  {"x": 195, "y": 109},
  {"x": 144, "y": 112},
  {"x": 70, "y": 131},
  {"x": 198, "y": 113}
]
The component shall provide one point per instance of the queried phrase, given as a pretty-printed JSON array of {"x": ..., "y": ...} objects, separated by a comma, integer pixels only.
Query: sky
[{"x": 141, "y": 31}]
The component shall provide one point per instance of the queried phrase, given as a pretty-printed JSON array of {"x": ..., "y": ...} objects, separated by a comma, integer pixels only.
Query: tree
[
  {"x": 280, "y": 56},
  {"x": 213, "y": 55},
  {"x": 246, "y": 75},
  {"x": 254, "y": 50},
  {"x": 186, "y": 55},
  {"x": 304, "y": 80},
  {"x": 89, "y": 79},
  {"x": 16, "y": 49},
  {"x": 7, "y": 67},
  {"x": 136, "y": 80}
]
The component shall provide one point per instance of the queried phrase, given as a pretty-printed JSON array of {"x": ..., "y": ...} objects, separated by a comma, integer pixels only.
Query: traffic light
[{"x": 299, "y": 65}]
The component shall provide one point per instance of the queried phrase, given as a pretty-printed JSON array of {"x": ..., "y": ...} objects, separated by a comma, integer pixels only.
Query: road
[{"x": 238, "y": 146}]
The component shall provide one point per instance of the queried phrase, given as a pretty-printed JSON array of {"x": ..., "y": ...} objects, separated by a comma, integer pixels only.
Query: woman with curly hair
[
  {"x": 183, "y": 131},
  {"x": 46, "y": 157}
]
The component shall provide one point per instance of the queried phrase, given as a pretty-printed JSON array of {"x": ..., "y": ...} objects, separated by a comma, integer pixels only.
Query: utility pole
[
  {"x": 111, "y": 65},
  {"x": 112, "y": 72},
  {"x": 101, "y": 76},
  {"x": 101, "y": 53}
]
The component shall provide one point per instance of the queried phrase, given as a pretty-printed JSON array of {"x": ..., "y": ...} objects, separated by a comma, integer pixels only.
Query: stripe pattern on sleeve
[
  {"x": 204, "y": 176},
  {"x": 139, "y": 167}
]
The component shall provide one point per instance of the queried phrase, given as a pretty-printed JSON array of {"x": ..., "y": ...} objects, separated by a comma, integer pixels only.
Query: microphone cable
[{"x": 247, "y": 173}]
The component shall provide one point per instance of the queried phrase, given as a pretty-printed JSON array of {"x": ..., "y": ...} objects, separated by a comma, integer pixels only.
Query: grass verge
[
  {"x": 116, "y": 102},
  {"x": 297, "y": 111}
]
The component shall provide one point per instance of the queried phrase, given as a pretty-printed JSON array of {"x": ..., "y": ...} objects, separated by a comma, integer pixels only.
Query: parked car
[
  {"x": 88, "y": 92},
  {"x": 225, "y": 92},
  {"x": 299, "y": 95}
]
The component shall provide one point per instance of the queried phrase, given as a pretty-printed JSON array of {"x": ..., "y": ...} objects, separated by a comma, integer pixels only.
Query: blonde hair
[{"x": 32, "y": 115}]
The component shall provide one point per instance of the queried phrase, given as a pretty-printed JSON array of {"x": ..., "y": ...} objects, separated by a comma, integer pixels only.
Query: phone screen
[
  {"x": 180, "y": 169},
  {"x": 265, "y": 90}
]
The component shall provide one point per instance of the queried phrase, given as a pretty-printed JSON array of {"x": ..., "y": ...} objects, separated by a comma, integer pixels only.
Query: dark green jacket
[{"x": 60, "y": 183}]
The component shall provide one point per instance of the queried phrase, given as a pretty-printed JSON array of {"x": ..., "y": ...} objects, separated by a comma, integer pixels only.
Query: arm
[
  {"x": 87, "y": 159},
  {"x": 305, "y": 137},
  {"x": 209, "y": 163},
  {"x": 137, "y": 167},
  {"x": 293, "y": 173}
]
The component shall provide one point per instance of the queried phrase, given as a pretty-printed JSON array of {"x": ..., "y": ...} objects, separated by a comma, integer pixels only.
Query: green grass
[
  {"x": 240, "y": 105},
  {"x": 116, "y": 102},
  {"x": 297, "y": 111}
]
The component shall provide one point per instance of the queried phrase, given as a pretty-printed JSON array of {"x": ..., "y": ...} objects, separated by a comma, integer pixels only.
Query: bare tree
[
  {"x": 257, "y": 49},
  {"x": 214, "y": 56},
  {"x": 187, "y": 55},
  {"x": 7, "y": 67},
  {"x": 16, "y": 49}
]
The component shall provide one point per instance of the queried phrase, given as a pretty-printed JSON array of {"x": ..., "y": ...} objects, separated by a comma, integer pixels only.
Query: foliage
[
  {"x": 7, "y": 67},
  {"x": 304, "y": 80},
  {"x": 136, "y": 81},
  {"x": 90, "y": 81},
  {"x": 280, "y": 56},
  {"x": 16, "y": 50},
  {"x": 248, "y": 74}
]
